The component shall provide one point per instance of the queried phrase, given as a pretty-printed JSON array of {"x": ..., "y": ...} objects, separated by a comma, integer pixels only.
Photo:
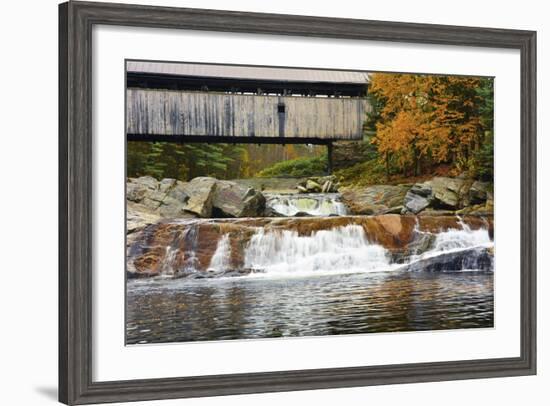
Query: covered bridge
[
  {"x": 168, "y": 101},
  {"x": 191, "y": 102}
]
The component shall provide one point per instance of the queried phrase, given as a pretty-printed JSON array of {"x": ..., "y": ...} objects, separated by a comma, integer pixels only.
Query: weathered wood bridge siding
[{"x": 179, "y": 113}]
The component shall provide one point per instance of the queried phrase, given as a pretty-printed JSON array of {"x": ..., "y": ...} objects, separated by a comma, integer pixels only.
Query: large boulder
[
  {"x": 138, "y": 217},
  {"x": 480, "y": 192},
  {"x": 204, "y": 197},
  {"x": 138, "y": 189},
  {"x": 234, "y": 200},
  {"x": 447, "y": 193},
  {"x": 201, "y": 194},
  {"x": 439, "y": 193},
  {"x": 471, "y": 258},
  {"x": 415, "y": 203},
  {"x": 174, "y": 201},
  {"x": 377, "y": 199},
  {"x": 165, "y": 198}
]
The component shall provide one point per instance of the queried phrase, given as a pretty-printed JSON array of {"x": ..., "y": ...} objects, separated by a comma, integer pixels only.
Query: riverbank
[{"x": 150, "y": 200}]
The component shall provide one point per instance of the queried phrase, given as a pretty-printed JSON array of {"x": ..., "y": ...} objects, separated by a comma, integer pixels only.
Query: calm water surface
[{"x": 167, "y": 310}]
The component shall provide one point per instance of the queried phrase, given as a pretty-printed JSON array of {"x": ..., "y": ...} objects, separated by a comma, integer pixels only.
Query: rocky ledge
[
  {"x": 176, "y": 242},
  {"x": 437, "y": 196},
  {"x": 149, "y": 200}
]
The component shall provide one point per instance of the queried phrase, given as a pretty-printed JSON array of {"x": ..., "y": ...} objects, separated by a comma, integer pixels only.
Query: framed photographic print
[{"x": 259, "y": 202}]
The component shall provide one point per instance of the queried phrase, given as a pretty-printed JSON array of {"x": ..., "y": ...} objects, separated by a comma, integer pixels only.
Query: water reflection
[{"x": 242, "y": 308}]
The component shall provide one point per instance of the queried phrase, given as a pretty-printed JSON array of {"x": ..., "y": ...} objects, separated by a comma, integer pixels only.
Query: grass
[{"x": 299, "y": 167}]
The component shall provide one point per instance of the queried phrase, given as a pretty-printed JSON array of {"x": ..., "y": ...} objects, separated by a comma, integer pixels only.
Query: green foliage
[
  {"x": 366, "y": 173},
  {"x": 219, "y": 160},
  {"x": 484, "y": 167},
  {"x": 299, "y": 167},
  {"x": 184, "y": 161},
  {"x": 484, "y": 156}
]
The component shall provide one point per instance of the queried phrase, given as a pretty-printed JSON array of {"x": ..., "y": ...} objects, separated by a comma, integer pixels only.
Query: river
[
  {"x": 264, "y": 280},
  {"x": 242, "y": 308}
]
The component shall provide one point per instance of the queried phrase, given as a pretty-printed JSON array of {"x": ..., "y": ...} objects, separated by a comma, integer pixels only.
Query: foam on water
[
  {"x": 313, "y": 204},
  {"x": 340, "y": 249}
]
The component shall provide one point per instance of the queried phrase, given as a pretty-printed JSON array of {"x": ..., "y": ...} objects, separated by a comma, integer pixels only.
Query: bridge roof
[{"x": 248, "y": 72}]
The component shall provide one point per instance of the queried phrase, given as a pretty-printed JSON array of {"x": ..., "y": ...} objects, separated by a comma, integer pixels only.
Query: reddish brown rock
[{"x": 179, "y": 242}]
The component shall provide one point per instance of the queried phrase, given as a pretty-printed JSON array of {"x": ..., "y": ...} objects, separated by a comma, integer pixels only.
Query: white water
[
  {"x": 222, "y": 255},
  {"x": 345, "y": 249},
  {"x": 342, "y": 249},
  {"x": 314, "y": 204},
  {"x": 459, "y": 239}
]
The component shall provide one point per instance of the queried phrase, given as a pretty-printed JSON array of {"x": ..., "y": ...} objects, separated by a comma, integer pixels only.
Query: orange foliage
[{"x": 426, "y": 118}]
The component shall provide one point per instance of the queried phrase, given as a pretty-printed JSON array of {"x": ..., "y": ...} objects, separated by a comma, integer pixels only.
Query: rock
[
  {"x": 322, "y": 179},
  {"x": 171, "y": 198},
  {"x": 138, "y": 188},
  {"x": 312, "y": 186},
  {"x": 435, "y": 212},
  {"x": 166, "y": 185},
  {"x": 375, "y": 199},
  {"x": 138, "y": 218},
  {"x": 421, "y": 189},
  {"x": 421, "y": 243},
  {"x": 394, "y": 210},
  {"x": 327, "y": 186},
  {"x": 185, "y": 248},
  {"x": 318, "y": 184},
  {"x": 234, "y": 200},
  {"x": 472, "y": 258},
  {"x": 485, "y": 209},
  {"x": 165, "y": 198},
  {"x": 271, "y": 212},
  {"x": 447, "y": 193},
  {"x": 479, "y": 192},
  {"x": 201, "y": 193},
  {"x": 443, "y": 196},
  {"x": 271, "y": 185},
  {"x": 415, "y": 203}
]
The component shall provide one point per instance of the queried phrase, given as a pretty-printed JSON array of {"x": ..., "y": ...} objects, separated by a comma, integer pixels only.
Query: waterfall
[
  {"x": 220, "y": 261},
  {"x": 314, "y": 204},
  {"x": 339, "y": 249},
  {"x": 465, "y": 238},
  {"x": 454, "y": 250},
  {"x": 190, "y": 260},
  {"x": 316, "y": 246}
]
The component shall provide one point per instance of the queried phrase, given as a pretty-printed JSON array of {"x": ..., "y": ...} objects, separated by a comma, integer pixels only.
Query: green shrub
[
  {"x": 299, "y": 167},
  {"x": 363, "y": 174},
  {"x": 484, "y": 160}
]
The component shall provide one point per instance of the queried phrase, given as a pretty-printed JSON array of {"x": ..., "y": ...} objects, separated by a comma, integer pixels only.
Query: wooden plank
[{"x": 165, "y": 112}]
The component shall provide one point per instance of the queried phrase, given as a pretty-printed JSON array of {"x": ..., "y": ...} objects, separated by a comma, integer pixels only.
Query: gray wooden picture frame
[{"x": 76, "y": 20}]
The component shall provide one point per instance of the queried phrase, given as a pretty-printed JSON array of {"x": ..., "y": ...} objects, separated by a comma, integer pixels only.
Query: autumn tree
[{"x": 423, "y": 120}]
